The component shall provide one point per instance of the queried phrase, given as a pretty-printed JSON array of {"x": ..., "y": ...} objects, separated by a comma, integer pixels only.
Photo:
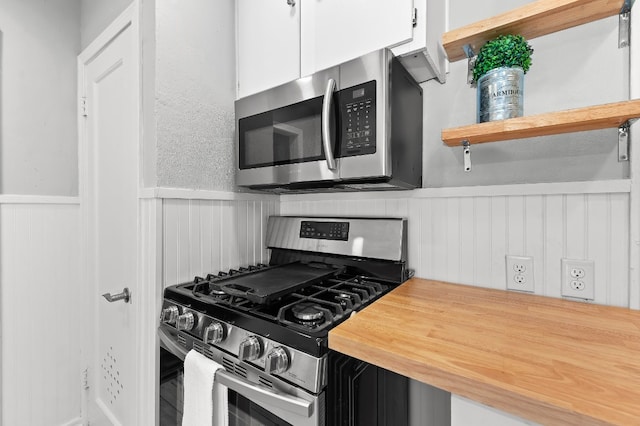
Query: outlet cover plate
[
  {"x": 519, "y": 273},
  {"x": 580, "y": 285}
]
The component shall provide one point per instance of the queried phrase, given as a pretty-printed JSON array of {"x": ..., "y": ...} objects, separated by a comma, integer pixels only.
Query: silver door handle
[
  {"x": 326, "y": 125},
  {"x": 125, "y": 295}
]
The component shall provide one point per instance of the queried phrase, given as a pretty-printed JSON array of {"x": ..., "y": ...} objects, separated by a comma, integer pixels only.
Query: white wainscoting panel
[
  {"x": 205, "y": 236},
  {"x": 39, "y": 280},
  {"x": 149, "y": 289},
  {"x": 464, "y": 239}
]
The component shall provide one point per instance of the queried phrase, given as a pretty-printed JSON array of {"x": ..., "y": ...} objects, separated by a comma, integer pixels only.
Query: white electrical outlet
[
  {"x": 578, "y": 278},
  {"x": 520, "y": 273}
]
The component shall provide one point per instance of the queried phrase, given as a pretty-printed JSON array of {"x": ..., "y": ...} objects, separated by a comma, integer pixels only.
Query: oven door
[
  {"x": 287, "y": 134},
  {"x": 256, "y": 404},
  {"x": 251, "y": 399}
]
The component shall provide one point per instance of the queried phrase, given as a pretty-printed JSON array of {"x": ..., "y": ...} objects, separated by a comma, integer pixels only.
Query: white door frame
[{"x": 148, "y": 237}]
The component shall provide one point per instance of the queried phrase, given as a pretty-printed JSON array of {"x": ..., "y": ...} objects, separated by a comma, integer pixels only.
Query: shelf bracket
[
  {"x": 624, "y": 24},
  {"x": 471, "y": 62},
  {"x": 623, "y": 142},
  {"x": 466, "y": 155},
  {"x": 468, "y": 50}
]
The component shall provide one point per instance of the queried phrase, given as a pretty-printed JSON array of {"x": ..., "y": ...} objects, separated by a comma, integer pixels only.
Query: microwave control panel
[{"x": 358, "y": 119}]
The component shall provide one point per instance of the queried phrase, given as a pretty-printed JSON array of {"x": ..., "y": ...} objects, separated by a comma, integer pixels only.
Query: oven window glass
[
  {"x": 291, "y": 134},
  {"x": 171, "y": 389},
  {"x": 243, "y": 412}
]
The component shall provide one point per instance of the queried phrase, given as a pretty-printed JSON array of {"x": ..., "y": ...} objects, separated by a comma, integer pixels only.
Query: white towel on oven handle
[{"x": 204, "y": 403}]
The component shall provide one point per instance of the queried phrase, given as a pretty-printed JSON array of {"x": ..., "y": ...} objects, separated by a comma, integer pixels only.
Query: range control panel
[
  {"x": 358, "y": 119},
  {"x": 325, "y": 230}
]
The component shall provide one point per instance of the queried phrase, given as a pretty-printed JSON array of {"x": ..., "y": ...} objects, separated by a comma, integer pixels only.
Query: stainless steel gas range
[{"x": 268, "y": 326}]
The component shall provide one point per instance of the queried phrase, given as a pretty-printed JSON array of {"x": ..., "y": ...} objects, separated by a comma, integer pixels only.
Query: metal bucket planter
[{"x": 500, "y": 94}]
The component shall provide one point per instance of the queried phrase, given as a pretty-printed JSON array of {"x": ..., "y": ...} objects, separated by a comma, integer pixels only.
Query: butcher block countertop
[{"x": 549, "y": 360}]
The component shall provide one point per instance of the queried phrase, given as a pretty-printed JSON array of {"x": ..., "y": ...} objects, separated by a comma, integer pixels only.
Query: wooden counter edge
[
  {"x": 485, "y": 393},
  {"x": 495, "y": 396}
]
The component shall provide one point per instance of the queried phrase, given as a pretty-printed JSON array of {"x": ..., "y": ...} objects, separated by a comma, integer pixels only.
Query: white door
[
  {"x": 335, "y": 31},
  {"x": 268, "y": 44},
  {"x": 109, "y": 154}
]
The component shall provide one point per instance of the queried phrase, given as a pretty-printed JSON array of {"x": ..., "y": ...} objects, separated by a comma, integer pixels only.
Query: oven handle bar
[{"x": 263, "y": 396}]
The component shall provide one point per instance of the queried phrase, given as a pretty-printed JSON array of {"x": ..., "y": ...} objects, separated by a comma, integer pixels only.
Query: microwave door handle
[
  {"x": 263, "y": 396},
  {"x": 327, "y": 106}
]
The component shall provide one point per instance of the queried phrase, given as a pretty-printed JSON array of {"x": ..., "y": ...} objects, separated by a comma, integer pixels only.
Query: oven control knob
[
  {"x": 213, "y": 333},
  {"x": 170, "y": 314},
  {"x": 277, "y": 361},
  {"x": 250, "y": 349},
  {"x": 185, "y": 321}
]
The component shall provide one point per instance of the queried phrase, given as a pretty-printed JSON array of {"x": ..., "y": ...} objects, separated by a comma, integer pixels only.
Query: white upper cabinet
[
  {"x": 335, "y": 31},
  {"x": 267, "y": 44},
  {"x": 424, "y": 56},
  {"x": 281, "y": 40}
]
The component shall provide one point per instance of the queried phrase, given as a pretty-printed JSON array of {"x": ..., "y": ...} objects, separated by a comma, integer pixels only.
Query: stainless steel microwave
[{"x": 356, "y": 126}]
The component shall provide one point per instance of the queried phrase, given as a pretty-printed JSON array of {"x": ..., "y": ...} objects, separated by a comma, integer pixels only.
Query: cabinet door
[
  {"x": 268, "y": 44},
  {"x": 335, "y": 31}
]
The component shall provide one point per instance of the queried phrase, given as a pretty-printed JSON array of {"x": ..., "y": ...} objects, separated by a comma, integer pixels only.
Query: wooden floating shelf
[
  {"x": 532, "y": 20},
  {"x": 569, "y": 121}
]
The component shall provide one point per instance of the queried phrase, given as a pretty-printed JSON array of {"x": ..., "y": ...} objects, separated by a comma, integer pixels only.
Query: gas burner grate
[
  {"x": 336, "y": 299},
  {"x": 337, "y": 296}
]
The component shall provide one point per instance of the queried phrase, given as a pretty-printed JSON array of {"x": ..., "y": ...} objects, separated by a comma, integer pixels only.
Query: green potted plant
[{"x": 499, "y": 72}]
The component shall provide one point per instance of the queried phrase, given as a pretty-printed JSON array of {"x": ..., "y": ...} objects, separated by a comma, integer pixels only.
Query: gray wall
[
  {"x": 39, "y": 43},
  {"x": 194, "y": 94},
  {"x": 573, "y": 68},
  {"x": 188, "y": 79},
  {"x": 97, "y": 15}
]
